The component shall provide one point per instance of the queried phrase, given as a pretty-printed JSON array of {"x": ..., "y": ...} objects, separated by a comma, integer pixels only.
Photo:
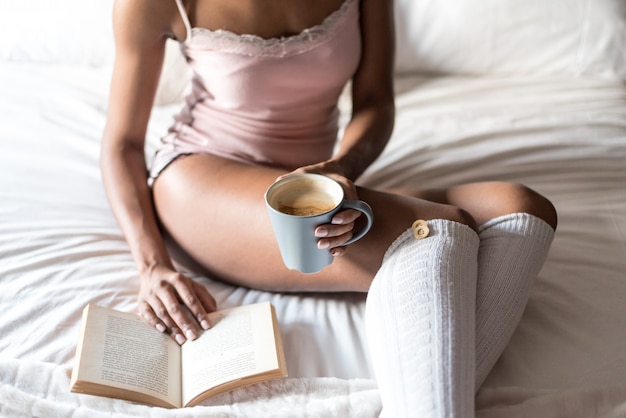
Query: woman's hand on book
[{"x": 171, "y": 302}]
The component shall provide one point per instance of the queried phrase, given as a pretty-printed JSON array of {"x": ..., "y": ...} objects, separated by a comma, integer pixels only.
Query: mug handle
[{"x": 366, "y": 210}]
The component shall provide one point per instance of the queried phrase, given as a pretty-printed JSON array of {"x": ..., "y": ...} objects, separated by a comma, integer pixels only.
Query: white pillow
[
  {"x": 512, "y": 37},
  {"x": 75, "y": 32}
]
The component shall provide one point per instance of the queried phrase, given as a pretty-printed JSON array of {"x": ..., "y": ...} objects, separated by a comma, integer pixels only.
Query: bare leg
[
  {"x": 214, "y": 209},
  {"x": 488, "y": 200}
]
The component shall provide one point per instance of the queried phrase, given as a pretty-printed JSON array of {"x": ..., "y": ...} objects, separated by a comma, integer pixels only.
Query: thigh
[
  {"x": 214, "y": 209},
  {"x": 488, "y": 200}
]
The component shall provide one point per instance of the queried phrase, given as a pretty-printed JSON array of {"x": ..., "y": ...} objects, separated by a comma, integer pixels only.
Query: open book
[{"x": 120, "y": 356}]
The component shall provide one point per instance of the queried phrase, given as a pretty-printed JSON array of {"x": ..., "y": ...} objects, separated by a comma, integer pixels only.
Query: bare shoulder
[{"x": 146, "y": 19}]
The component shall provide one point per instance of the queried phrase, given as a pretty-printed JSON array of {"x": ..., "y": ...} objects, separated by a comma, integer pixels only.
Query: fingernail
[
  {"x": 337, "y": 220},
  {"x": 180, "y": 339},
  {"x": 321, "y": 232},
  {"x": 205, "y": 324},
  {"x": 190, "y": 334},
  {"x": 323, "y": 244},
  {"x": 160, "y": 328}
]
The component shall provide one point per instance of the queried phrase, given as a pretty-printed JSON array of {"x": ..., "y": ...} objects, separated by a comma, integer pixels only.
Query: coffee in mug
[{"x": 311, "y": 203}]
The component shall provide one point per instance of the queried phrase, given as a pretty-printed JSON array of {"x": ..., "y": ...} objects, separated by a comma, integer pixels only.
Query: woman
[{"x": 267, "y": 77}]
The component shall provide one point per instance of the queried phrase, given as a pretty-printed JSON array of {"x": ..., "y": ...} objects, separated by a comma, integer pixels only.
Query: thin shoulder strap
[{"x": 183, "y": 14}]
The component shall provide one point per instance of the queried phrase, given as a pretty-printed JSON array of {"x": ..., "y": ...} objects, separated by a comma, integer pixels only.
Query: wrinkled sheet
[
  {"x": 60, "y": 247},
  {"x": 40, "y": 390}
]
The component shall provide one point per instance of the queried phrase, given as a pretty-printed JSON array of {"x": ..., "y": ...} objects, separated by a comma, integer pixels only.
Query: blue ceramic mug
[{"x": 297, "y": 204}]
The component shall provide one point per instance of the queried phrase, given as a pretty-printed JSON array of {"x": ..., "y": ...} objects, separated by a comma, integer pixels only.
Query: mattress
[{"x": 61, "y": 248}]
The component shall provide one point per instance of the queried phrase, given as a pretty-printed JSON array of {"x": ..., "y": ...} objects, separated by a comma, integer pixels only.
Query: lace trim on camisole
[{"x": 247, "y": 44}]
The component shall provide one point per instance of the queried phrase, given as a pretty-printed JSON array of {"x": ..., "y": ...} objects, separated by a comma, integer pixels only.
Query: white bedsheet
[{"x": 60, "y": 247}]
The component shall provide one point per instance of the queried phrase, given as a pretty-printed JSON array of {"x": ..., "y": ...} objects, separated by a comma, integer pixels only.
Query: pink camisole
[{"x": 264, "y": 101}]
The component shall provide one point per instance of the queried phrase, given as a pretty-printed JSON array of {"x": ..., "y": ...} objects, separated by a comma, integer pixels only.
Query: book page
[
  {"x": 240, "y": 343},
  {"x": 122, "y": 351}
]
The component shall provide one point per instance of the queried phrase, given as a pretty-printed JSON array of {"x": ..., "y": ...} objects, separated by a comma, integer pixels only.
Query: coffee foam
[{"x": 306, "y": 202}]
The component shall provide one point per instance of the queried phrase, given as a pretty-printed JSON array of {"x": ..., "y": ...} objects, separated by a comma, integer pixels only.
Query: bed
[{"x": 525, "y": 91}]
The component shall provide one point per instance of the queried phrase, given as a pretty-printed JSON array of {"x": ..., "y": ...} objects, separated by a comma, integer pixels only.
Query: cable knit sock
[
  {"x": 420, "y": 323},
  {"x": 512, "y": 250}
]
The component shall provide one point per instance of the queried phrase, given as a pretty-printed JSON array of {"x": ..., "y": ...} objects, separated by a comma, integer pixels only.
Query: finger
[
  {"x": 177, "y": 312},
  {"x": 330, "y": 230},
  {"x": 206, "y": 298},
  {"x": 345, "y": 217},
  {"x": 209, "y": 305},
  {"x": 161, "y": 313},
  {"x": 338, "y": 251},
  {"x": 148, "y": 315},
  {"x": 335, "y": 241},
  {"x": 188, "y": 294}
]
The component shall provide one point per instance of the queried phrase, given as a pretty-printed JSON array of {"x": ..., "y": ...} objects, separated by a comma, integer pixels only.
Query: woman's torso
[{"x": 267, "y": 101}]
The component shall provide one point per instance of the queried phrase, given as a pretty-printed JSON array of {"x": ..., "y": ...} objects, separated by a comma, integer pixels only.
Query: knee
[
  {"x": 456, "y": 214},
  {"x": 521, "y": 198}
]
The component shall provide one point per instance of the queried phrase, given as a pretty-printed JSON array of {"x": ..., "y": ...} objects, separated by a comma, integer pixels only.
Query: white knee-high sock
[
  {"x": 512, "y": 250},
  {"x": 420, "y": 323}
]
